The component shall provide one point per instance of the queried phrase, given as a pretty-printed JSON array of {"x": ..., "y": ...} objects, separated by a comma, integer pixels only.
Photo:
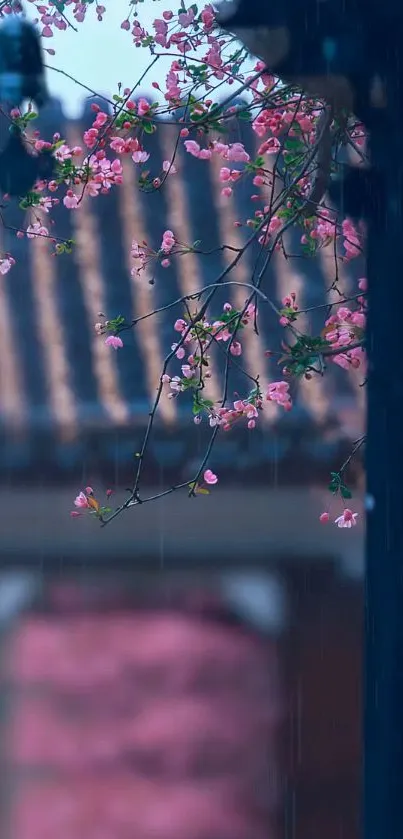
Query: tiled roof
[{"x": 62, "y": 390}]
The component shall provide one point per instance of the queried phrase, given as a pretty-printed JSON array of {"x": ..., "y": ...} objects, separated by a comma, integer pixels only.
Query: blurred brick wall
[{"x": 159, "y": 723}]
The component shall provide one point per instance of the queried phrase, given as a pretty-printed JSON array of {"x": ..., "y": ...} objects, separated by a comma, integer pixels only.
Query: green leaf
[
  {"x": 292, "y": 143},
  {"x": 58, "y": 145},
  {"x": 148, "y": 127},
  {"x": 345, "y": 492}
]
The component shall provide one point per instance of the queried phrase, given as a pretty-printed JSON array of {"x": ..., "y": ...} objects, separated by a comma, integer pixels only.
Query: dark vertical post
[{"x": 383, "y": 687}]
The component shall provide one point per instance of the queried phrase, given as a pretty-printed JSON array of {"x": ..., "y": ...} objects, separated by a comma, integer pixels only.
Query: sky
[{"x": 100, "y": 55}]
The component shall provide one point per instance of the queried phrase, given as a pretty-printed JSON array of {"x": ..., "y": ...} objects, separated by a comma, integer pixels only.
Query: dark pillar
[{"x": 383, "y": 688}]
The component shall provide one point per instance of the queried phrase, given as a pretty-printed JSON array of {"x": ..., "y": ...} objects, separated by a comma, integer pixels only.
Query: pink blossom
[
  {"x": 168, "y": 241},
  {"x": 143, "y": 107},
  {"x": 175, "y": 384},
  {"x": 187, "y": 371},
  {"x": 114, "y": 341},
  {"x": 91, "y": 137},
  {"x": 6, "y": 264},
  {"x": 192, "y": 147},
  {"x": 186, "y": 18},
  {"x": 210, "y": 477},
  {"x": 62, "y": 153},
  {"x": 236, "y": 152},
  {"x": 207, "y": 17},
  {"x": 169, "y": 167},
  {"x": 36, "y": 229},
  {"x": 70, "y": 200},
  {"x": 101, "y": 119},
  {"x": 324, "y": 517},
  {"x": 81, "y": 501},
  {"x": 140, "y": 156},
  {"x": 352, "y": 242},
  {"x": 271, "y": 146},
  {"x": 342, "y": 360},
  {"x": 225, "y": 173},
  {"x": 235, "y": 348},
  {"x": 279, "y": 392},
  {"x": 348, "y": 519}
]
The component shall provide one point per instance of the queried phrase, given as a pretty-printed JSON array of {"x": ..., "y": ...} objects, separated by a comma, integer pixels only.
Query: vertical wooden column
[{"x": 383, "y": 688}]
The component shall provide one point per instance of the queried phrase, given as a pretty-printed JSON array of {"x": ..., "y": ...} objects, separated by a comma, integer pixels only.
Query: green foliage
[{"x": 337, "y": 486}]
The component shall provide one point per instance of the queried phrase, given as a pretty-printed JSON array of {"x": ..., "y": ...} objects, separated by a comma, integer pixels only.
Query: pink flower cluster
[
  {"x": 279, "y": 392},
  {"x": 145, "y": 255},
  {"x": 290, "y": 305},
  {"x": 6, "y": 263},
  {"x": 86, "y": 501},
  {"x": 243, "y": 409},
  {"x": 353, "y": 241},
  {"x": 234, "y": 152},
  {"x": 114, "y": 341},
  {"x": 51, "y": 17},
  {"x": 167, "y": 246},
  {"x": 347, "y": 519},
  {"x": 201, "y": 336},
  {"x": 344, "y": 328},
  {"x": 277, "y": 120},
  {"x": 321, "y": 230},
  {"x": 272, "y": 226}
]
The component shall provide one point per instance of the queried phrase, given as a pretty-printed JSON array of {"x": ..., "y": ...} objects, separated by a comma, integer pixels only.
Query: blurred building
[
  {"x": 72, "y": 411},
  {"x": 247, "y": 573}
]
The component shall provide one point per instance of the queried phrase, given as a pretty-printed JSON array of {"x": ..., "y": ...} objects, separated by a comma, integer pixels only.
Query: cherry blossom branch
[
  {"x": 292, "y": 164},
  {"x": 133, "y": 497}
]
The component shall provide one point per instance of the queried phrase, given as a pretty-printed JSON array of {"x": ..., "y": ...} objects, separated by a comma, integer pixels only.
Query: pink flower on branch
[
  {"x": 114, "y": 341},
  {"x": 348, "y": 519},
  {"x": 210, "y": 478}
]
